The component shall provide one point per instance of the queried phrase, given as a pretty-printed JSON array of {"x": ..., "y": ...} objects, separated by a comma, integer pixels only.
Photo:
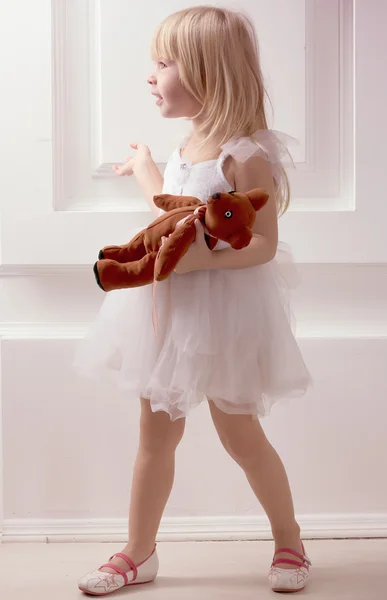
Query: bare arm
[
  {"x": 254, "y": 173},
  {"x": 148, "y": 177},
  {"x": 150, "y": 181}
]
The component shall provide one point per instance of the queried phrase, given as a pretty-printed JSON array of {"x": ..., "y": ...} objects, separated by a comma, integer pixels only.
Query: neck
[{"x": 199, "y": 136}]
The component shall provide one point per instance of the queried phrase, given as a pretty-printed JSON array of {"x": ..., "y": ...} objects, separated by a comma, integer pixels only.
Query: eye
[
  {"x": 161, "y": 65},
  {"x": 228, "y": 214},
  {"x": 232, "y": 192}
]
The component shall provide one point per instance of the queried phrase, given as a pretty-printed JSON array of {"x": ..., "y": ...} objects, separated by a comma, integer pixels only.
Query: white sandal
[
  {"x": 289, "y": 580},
  {"x": 99, "y": 583}
]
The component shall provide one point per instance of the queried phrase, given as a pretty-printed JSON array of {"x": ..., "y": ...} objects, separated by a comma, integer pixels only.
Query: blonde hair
[{"x": 217, "y": 54}]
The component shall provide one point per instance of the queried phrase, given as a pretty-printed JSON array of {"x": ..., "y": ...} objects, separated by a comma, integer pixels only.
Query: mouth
[{"x": 159, "y": 99}]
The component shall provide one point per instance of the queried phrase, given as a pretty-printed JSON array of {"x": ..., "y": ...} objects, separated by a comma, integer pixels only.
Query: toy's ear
[
  {"x": 240, "y": 239},
  {"x": 200, "y": 212},
  {"x": 258, "y": 198},
  {"x": 168, "y": 202}
]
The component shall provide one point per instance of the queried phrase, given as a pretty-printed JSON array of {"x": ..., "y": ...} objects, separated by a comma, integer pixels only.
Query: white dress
[{"x": 222, "y": 334}]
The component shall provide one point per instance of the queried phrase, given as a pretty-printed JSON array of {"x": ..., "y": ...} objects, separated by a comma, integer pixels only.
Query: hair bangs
[{"x": 165, "y": 40}]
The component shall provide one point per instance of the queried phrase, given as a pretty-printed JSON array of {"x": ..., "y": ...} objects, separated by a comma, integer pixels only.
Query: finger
[
  {"x": 134, "y": 145},
  {"x": 122, "y": 171},
  {"x": 199, "y": 231}
]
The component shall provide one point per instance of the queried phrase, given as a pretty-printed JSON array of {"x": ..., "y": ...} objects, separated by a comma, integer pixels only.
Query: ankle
[
  {"x": 138, "y": 552},
  {"x": 288, "y": 537}
]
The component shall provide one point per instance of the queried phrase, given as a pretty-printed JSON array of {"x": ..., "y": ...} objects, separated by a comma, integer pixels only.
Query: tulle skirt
[{"x": 223, "y": 335}]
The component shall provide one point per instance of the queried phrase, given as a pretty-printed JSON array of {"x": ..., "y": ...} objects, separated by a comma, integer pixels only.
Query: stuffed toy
[{"x": 153, "y": 254}]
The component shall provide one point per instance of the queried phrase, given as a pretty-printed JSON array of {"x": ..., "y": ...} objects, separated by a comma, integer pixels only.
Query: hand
[
  {"x": 129, "y": 167},
  {"x": 199, "y": 255}
]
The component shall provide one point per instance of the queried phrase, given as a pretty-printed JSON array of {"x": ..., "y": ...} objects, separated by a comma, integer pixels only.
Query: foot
[
  {"x": 121, "y": 571},
  {"x": 135, "y": 554},
  {"x": 295, "y": 545},
  {"x": 289, "y": 570},
  {"x": 288, "y": 537}
]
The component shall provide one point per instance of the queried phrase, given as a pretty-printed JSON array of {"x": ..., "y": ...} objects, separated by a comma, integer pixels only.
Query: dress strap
[
  {"x": 271, "y": 145},
  {"x": 267, "y": 143}
]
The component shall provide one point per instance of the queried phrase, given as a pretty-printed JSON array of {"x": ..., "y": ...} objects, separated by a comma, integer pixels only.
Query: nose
[{"x": 152, "y": 80}]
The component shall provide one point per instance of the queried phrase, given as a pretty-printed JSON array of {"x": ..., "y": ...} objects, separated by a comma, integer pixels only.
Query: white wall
[{"x": 60, "y": 203}]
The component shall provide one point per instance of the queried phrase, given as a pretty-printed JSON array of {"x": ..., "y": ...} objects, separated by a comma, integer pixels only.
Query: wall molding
[
  {"x": 1, "y": 458},
  {"x": 308, "y": 331},
  {"x": 43, "y": 331},
  {"x": 59, "y": 91},
  {"x": 185, "y": 529},
  {"x": 347, "y": 104},
  {"x": 72, "y": 268},
  {"x": 317, "y": 159}
]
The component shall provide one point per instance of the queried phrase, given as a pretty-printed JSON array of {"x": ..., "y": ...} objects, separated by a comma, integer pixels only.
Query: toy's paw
[{"x": 96, "y": 275}]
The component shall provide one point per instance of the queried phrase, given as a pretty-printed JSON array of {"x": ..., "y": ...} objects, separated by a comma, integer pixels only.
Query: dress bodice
[{"x": 202, "y": 180}]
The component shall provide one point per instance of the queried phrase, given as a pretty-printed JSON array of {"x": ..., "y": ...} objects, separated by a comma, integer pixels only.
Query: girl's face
[{"x": 171, "y": 96}]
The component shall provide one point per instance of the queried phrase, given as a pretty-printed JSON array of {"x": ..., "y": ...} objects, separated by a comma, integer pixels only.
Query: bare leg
[
  {"x": 152, "y": 481},
  {"x": 246, "y": 442}
]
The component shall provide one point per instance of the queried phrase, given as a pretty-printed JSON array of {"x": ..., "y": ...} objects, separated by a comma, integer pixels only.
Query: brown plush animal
[{"x": 226, "y": 216}]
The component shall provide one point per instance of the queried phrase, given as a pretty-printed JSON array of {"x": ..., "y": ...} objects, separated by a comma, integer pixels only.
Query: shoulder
[
  {"x": 252, "y": 173},
  {"x": 269, "y": 145}
]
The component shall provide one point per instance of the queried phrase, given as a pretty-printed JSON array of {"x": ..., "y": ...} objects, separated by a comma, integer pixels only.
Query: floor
[{"x": 343, "y": 569}]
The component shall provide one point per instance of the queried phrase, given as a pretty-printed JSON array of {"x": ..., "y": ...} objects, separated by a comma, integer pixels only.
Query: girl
[{"x": 224, "y": 334}]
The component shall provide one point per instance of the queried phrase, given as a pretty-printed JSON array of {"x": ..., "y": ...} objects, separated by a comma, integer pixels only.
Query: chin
[{"x": 169, "y": 113}]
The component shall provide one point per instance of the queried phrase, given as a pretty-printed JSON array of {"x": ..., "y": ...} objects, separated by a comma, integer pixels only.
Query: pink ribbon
[{"x": 154, "y": 310}]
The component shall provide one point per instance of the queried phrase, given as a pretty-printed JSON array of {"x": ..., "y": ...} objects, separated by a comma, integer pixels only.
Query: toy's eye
[{"x": 228, "y": 214}]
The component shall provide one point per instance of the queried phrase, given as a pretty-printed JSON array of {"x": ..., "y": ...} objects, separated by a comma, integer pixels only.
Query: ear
[
  {"x": 240, "y": 239},
  {"x": 168, "y": 202},
  {"x": 258, "y": 198}
]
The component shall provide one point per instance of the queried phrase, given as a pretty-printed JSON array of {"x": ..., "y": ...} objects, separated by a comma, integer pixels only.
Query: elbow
[
  {"x": 271, "y": 252},
  {"x": 266, "y": 257},
  {"x": 267, "y": 250},
  {"x": 272, "y": 246}
]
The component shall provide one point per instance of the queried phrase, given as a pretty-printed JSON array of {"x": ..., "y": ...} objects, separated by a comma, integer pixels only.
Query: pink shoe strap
[
  {"x": 130, "y": 563},
  {"x": 117, "y": 570},
  {"x": 305, "y": 560},
  {"x": 288, "y": 561}
]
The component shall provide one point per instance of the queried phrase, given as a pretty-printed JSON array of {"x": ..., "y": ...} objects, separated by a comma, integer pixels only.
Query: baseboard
[{"x": 323, "y": 526}]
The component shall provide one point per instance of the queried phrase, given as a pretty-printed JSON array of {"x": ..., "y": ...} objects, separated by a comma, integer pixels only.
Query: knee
[
  {"x": 235, "y": 446},
  {"x": 161, "y": 436},
  {"x": 245, "y": 447},
  {"x": 241, "y": 435}
]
